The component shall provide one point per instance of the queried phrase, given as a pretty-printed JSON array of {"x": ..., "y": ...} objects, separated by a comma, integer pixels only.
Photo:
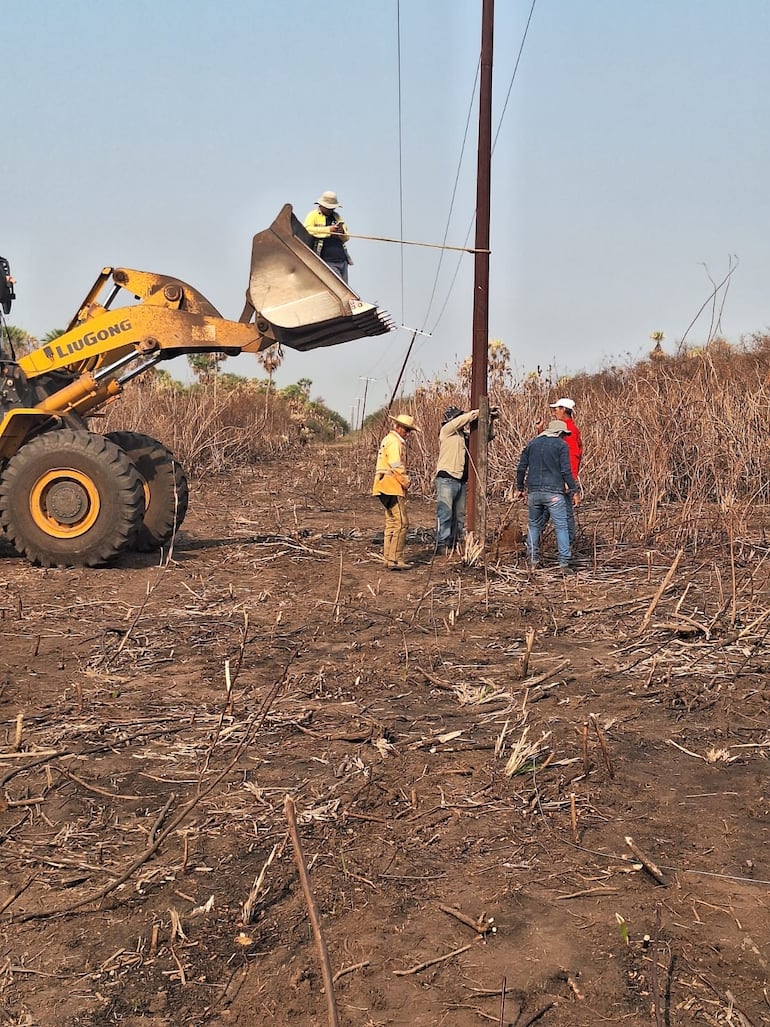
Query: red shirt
[{"x": 574, "y": 444}]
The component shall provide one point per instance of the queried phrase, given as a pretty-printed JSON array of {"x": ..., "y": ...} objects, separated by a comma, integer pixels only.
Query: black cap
[{"x": 450, "y": 413}]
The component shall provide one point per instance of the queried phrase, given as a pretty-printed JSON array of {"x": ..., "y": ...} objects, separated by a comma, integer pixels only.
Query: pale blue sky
[{"x": 162, "y": 134}]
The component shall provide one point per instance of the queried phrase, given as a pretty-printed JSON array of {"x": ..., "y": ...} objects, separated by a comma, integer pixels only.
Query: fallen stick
[
  {"x": 247, "y": 909},
  {"x": 529, "y": 642},
  {"x": 743, "y": 1019},
  {"x": 336, "y": 607},
  {"x": 431, "y": 962},
  {"x": 604, "y": 747},
  {"x": 350, "y": 969},
  {"x": 438, "y": 682},
  {"x": 19, "y": 891},
  {"x": 586, "y": 762},
  {"x": 481, "y": 925},
  {"x": 656, "y": 598},
  {"x": 19, "y": 731},
  {"x": 531, "y": 682},
  {"x": 535, "y": 1016},
  {"x": 29, "y": 754},
  {"x": 312, "y": 908},
  {"x": 95, "y": 788},
  {"x": 160, "y": 818},
  {"x": 656, "y": 1004},
  {"x": 646, "y": 862},
  {"x": 588, "y": 891}
]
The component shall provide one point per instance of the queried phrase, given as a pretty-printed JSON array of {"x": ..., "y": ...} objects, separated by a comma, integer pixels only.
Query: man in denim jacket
[{"x": 545, "y": 463}]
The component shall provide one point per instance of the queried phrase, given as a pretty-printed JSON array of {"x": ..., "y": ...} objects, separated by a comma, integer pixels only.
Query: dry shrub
[
  {"x": 207, "y": 428},
  {"x": 675, "y": 449}
]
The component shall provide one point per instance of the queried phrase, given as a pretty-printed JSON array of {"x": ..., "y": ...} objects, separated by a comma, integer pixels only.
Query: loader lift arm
[{"x": 293, "y": 298}]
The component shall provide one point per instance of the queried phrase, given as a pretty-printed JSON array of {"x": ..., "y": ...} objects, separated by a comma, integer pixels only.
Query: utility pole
[
  {"x": 363, "y": 407},
  {"x": 477, "y": 472}
]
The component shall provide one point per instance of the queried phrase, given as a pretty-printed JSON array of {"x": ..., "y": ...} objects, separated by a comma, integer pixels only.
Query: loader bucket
[{"x": 305, "y": 304}]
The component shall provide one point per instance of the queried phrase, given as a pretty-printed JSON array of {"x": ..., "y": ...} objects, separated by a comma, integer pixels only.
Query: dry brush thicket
[
  {"x": 208, "y": 428},
  {"x": 676, "y": 451}
]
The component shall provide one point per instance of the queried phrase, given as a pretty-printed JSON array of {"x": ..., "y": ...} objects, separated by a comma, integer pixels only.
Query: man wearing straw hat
[
  {"x": 391, "y": 484},
  {"x": 330, "y": 233}
]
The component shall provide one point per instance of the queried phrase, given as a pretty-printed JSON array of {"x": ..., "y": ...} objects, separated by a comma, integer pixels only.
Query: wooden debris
[
  {"x": 19, "y": 891},
  {"x": 529, "y": 642},
  {"x": 646, "y": 862},
  {"x": 482, "y": 925},
  {"x": 604, "y": 747},
  {"x": 432, "y": 962},
  {"x": 312, "y": 909},
  {"x": 19, "y": 732},
  {"x": 350, "y": 969},
  {"x": 664, "y": 585},
  {"x": 248, "y": 907},
  {"x": 535, "y": 1016}
]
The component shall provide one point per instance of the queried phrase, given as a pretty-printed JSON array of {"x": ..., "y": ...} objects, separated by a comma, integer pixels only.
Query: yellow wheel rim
[{"x": 64, "y": 503}]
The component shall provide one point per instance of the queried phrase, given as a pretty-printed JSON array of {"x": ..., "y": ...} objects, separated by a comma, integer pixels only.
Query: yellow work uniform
[
  {"x": 391, "y": 483},
  {"x": 316, "y": 223}
]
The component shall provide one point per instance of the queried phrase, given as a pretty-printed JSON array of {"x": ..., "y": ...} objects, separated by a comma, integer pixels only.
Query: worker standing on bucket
[{"x": 330, "y": 233}]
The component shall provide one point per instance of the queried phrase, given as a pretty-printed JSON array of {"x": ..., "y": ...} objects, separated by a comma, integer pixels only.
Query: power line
[
  {"x": 456, "y": 180},
  {"x": 454, "y": 192},
  {"x": 494, "y": 143},
  {"x": 400, "y": 152},
  {"x": 513, "y": 76}
]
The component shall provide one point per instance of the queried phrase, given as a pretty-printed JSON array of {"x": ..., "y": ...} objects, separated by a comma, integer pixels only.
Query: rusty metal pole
[{"x": 477, "y": 487}]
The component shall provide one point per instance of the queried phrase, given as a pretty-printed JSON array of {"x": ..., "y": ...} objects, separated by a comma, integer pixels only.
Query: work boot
[{"x": 400, "y": 565}]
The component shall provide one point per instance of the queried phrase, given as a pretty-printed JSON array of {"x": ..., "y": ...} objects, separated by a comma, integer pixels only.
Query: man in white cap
[
  {"x": 330, "y": 233},
  {"x": 564, "y": 410},
  {"x": 391, "y": 484},
  {"x": 550, "y": 486}
]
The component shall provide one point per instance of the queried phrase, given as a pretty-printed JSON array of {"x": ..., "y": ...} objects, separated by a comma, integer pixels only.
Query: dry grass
[
  {"x": 207, "y": 428},
  {"x": 676, "y": 446}
]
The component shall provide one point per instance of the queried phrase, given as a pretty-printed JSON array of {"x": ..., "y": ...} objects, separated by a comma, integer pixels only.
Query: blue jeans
[
  {"x": 570, "y": 520},
  {"x": 540, "y": 506},
  {"x": 450, "y": 511}
]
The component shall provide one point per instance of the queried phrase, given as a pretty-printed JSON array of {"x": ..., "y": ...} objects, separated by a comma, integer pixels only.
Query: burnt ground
[{"x": 463, "y": 810}]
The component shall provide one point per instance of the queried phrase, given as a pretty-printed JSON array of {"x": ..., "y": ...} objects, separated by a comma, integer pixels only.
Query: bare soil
[{"x": 156, "y": 717}]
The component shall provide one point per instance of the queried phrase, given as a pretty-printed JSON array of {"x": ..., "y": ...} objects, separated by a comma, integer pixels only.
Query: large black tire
[
  {"x": 166, "y": 492},
  {"x": 70, "y": 499}
]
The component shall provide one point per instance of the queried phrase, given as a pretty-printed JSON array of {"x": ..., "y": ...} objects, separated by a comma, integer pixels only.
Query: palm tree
[
  {"x": 18, "y": 340},
  {"x": 271, "y": 359}
]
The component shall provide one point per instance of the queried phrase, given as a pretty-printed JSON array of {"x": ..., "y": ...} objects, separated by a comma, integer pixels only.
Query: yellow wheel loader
[{"x": 73, "y": 497}]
